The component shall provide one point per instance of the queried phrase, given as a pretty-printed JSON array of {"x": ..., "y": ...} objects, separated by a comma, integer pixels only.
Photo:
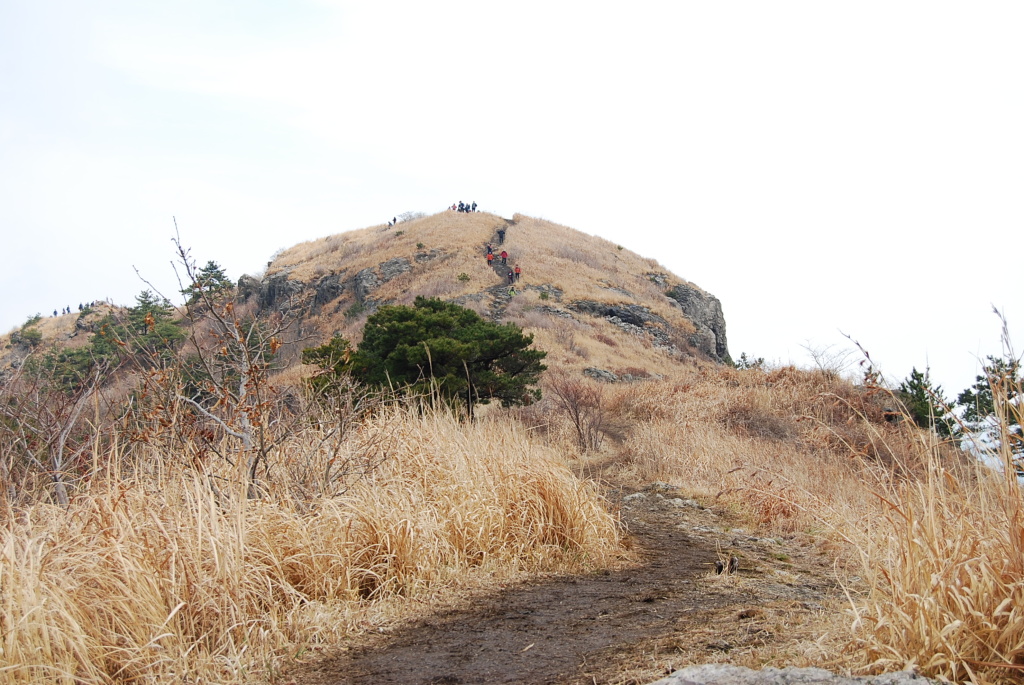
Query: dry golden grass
[
  {"x": 174, "y": 576},
  {"x": 765, "y": 442},
  {"x": 936, "y": 540}
]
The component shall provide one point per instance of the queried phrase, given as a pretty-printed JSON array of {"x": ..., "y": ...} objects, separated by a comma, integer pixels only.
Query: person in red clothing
[
  {"x": 518, "y": 271},
  {"x": 490, "y": 258},
  {"x": 504, "y": 257}
]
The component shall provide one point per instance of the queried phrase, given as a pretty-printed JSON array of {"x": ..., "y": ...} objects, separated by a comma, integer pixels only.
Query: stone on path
[{"x": 725, "y": 674}]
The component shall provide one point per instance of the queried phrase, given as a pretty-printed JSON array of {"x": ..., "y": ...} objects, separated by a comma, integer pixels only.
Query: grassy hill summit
[{"x": 595, "y": 304}]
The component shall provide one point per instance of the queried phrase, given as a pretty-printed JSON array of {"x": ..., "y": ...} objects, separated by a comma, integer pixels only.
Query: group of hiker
[
  {"x": 461, "y": 206},
  {"x": 67, "y": 310},
  {"x": 514, "y": 273}
]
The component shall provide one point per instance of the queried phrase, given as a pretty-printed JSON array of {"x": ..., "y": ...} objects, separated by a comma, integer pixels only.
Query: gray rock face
[
  {"x": 248, "y": 286},
  {"x": 394, "y": 267},
  {"x": 705, "y": 311},
  {"x": 366, "y": 281},
  {"x": 633, "y": 314},
  {"x": 273, "y": 292},
  {"x": 327, "y": 289},
  {"x": 725, "y": 674}
]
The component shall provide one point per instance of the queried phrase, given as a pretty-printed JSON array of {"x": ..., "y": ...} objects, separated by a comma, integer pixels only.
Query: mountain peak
[{"x": 596, "y": 304}]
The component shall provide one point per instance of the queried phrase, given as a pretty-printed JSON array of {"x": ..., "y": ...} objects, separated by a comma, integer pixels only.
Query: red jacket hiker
[
  {"x": 490, "y": 258},
  {"x": 504, "y": 257}
]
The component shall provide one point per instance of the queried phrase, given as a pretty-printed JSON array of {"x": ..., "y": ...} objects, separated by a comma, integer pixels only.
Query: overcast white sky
[{"x": 818, "y": 166}]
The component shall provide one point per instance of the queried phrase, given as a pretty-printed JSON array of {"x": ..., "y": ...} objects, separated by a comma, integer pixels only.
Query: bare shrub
[
  {"x": 582, "y": 402},
  {"x": 575, "y": 254},
  {"x": 759, "y": 421},
  {"x": 536, "y": 319},
  {"x": 437, "y": 287}
]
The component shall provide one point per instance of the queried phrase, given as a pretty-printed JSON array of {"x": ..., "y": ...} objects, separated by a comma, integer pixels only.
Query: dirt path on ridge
[{"x": 626, "y": 626}]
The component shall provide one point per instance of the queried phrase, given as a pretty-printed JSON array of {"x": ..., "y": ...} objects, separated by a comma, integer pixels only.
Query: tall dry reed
[
  {"x": 176, "y": 576},
  {"x": 945, "y": 568}
]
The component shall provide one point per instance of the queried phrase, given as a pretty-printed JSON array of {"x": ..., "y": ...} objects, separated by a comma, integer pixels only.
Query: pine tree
[
  {"x": 978, "y": 400},
  {"x": 209, "y": 279},
  {"x": 925, "y": 403},
  {"x": 440, "y": 346}
]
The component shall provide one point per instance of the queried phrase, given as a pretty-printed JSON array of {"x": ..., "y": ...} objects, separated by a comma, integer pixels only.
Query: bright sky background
[{"x": 818, "y": 166}]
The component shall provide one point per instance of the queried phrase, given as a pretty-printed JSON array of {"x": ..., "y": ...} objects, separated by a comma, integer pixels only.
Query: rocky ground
[{"x": 634, "y": 624}]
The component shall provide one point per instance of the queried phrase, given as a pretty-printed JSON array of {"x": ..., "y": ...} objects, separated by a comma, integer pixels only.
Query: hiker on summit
[
  {"x": 473, "y": 209},
  {"x": 518, "y": 272},
  {"x": 504, "y": 258}
]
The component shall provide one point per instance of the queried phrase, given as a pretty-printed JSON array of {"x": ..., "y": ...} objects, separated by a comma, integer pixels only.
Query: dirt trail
[{"x": 631, "y": 625}]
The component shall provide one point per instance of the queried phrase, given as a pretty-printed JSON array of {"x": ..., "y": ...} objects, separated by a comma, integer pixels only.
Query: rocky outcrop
[
  {"x": 427, "y": 256},
  {"x": 394, "y": 267},
  {"x": 278, "y": 291},
  {"x": 328, "y": 289},
  {"x": 725, "y": 674},
  {"x": 602, "y": 375},
  {"x": 634, "y": 319},
  {"x": 274, "y": 292},
  {"x": 366, "y": 282},
  {"x": 633, "y": 314},
  {"x": 705, "y": 311}
]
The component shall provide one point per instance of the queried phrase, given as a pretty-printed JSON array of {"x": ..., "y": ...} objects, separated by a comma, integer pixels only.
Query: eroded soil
[{"x": 629, "y": 625}]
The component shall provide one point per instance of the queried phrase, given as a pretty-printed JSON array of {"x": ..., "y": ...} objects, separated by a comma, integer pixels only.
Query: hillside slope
[{"x": 592, "y": 303}]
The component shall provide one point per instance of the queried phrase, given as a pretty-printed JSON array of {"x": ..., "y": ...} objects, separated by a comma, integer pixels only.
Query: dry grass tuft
[{"x": 945, "y": 566}]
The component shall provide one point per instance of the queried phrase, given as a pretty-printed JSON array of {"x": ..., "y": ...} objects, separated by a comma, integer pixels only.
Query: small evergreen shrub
[{"x": 355, "y": 310}]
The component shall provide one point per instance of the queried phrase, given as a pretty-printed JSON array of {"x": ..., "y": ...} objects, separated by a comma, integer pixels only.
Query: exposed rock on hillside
[
  {"x": 705, "y": 311},
  {"x": 273, "y": 292}
]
